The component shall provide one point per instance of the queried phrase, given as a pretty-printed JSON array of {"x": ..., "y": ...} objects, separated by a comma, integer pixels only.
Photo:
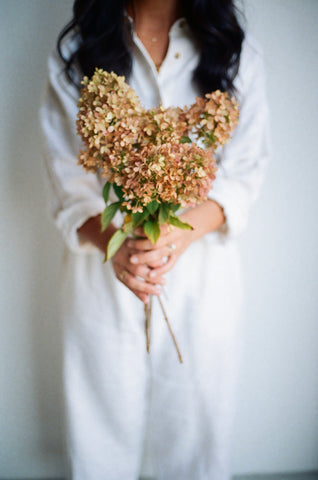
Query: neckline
[{"x": 178, "y": 29}]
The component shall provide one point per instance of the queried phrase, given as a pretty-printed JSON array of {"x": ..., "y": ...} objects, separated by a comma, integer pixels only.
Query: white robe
[{"x": 117, "y": 395}]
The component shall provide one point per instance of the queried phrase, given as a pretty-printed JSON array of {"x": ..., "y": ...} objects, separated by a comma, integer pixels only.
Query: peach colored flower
[{"x": 151, "y": 154}]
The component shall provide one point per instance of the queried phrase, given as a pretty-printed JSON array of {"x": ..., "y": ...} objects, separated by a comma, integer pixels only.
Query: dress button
[
  {"x": 177, "y": 55},
  {"x": 182, "y": 23}
]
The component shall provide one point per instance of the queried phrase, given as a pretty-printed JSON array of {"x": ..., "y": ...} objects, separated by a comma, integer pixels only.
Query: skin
[
  {"x": 139, "y": 264},
  {"x": 153, "y": 20}
]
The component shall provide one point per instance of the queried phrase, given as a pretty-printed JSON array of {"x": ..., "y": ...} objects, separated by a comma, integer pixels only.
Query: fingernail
[
  {"x": 133, "y": 259},
  {"x": 157, "y": 290},
  {"x": 152, "y": 274}
]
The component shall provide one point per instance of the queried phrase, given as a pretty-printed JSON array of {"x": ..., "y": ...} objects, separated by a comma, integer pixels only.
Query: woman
[{"x": 119, "y": 398}]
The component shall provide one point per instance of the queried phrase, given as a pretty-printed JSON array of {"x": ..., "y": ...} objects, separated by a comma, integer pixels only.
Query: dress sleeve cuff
[
  {"x": 226, "y": 193},
  {"x": 71, "y": 219}
]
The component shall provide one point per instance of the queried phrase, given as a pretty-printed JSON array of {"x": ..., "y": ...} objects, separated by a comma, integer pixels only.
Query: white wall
[
  {"x": 277, "y": 424},
  {"x": 277, "y": 421}
]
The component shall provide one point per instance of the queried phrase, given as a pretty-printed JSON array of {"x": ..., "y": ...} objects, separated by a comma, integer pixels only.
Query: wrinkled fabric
[{"x": 118, "y": 398}]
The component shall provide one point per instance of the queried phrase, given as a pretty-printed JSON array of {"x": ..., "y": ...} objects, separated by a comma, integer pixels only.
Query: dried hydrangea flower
[{"x": 150, "y": 154}]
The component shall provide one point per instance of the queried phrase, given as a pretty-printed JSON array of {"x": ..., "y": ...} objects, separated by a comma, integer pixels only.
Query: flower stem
[
  {"x": 148, "y": 309},
  {"x": 170, "y": 330}
]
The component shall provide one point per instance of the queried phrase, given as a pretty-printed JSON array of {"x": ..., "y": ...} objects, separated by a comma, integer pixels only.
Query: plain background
[{"x": 277, "y": 415}]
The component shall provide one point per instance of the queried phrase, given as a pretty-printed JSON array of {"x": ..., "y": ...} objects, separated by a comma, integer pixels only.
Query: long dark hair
[{"x": 99, "y": 25}]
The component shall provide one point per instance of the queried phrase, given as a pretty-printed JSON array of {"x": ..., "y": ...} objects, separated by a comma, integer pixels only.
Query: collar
[{"x": 178, "y": 29}]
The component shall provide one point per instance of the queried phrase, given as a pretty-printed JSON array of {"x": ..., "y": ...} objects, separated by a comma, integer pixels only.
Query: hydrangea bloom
[{"x": 146, "y": 152}]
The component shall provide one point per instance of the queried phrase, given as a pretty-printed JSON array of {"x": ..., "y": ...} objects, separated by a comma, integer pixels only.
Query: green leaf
[
  {"x": 115, "y": 243},
  {"x": 174, "y": 207},
  {"x": 152, "y": 206},
  {"x": 106, "y": 191},
  {"x": 128, "y": 227},
  {"x": 185, "y": 139},
  {"x": 139, "y": 217},
  {"x": 152, "y": 230},
  {"x": 108, "y": 214},
  {"x": 175, "y": 221},
  {"x": 118, "y": 191},
  {"x": 163, "y": 213}
]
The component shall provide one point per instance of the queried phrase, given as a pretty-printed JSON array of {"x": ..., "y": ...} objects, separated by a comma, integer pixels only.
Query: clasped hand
[{"x": 141, "y": 265}]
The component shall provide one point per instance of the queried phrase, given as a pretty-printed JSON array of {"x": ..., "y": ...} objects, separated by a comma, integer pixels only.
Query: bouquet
[{"x": 157, "y": 161}]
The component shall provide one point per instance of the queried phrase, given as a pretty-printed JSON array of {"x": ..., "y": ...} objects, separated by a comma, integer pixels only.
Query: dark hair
[{"x": 99, "y": 25}]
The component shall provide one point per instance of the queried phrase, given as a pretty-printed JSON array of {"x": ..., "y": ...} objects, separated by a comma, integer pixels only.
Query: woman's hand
[
  {"x": 136, "y": 276},
  {"x": 139, "y": 264},
  {"x": 161, "y": 256}
]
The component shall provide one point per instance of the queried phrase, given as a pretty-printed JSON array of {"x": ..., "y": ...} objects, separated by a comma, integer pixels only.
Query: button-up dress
[{"x": 119, "y": 398}]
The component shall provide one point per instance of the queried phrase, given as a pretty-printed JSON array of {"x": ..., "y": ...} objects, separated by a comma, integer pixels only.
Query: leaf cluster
[{"x": 152, "y": 217}]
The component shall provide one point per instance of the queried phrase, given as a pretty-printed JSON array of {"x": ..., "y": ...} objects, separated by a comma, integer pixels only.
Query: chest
[{"x": 172, "y": 85}]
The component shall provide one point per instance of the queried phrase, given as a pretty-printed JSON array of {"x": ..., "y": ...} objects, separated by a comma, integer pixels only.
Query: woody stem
[{"x": 170, "y": 330}]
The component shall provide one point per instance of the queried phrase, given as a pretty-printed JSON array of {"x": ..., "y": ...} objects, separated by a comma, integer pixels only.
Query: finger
[
  {"x": 158, "y": 264},
  {"x": 140, "y": 232},
  {"x": 142, "y": 296},
  {"x": 153, "y": 258},
  {"x": 140, "y": 270},
  {"x": 136, "y": 284},
  {"x": 119, "y": 269},
  {"x": 166, "y": 229},
  {"x": 158, "y": 272},
  {"x": 140, "y": 244}
]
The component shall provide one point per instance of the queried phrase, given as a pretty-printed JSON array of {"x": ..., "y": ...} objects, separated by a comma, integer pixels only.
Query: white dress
[{"x": 117, "y": 395}]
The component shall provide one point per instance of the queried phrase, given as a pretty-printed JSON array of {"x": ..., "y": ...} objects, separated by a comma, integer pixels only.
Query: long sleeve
[
  {"x": 243, "y": 161},
  {"x": 74, "y": 195}
]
